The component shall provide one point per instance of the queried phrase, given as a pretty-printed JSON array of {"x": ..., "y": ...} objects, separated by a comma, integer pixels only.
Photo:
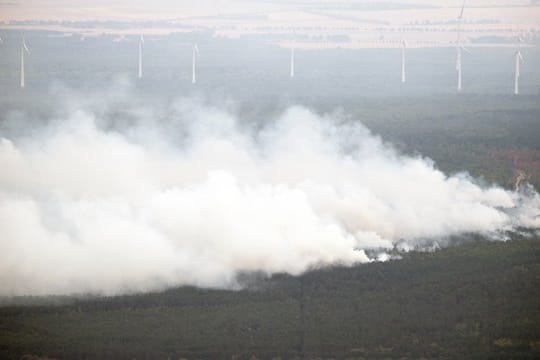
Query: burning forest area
[{"x": 308, "y": 180}]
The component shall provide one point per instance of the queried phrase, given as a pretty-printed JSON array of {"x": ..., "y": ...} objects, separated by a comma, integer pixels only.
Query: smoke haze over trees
[{"x": 187, "y": 194}]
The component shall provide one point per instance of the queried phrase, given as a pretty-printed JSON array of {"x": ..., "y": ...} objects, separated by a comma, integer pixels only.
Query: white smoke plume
[{"x": 191, "y": 195}]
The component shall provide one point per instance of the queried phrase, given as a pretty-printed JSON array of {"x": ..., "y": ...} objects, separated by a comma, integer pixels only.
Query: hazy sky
[{"x": 139, "y": 9}]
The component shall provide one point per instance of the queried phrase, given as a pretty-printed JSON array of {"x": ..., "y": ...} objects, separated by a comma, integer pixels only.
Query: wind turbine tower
[
  {"x": 518, "y": 61},
  {"x": 403, "y": 47},
  {"x": 292, "y": 61},
  {"x": 195, "y": 53},
  {"x": 459, "y": 48},
  {"x": 141, "y": 42},
  {"x": 24, "y": 49},
  {"x": 458, "y": 68}
]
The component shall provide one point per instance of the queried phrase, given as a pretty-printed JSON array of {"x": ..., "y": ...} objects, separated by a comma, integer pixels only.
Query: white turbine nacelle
[
  {"x": 24, "y": 49},
  {"x": 195, "y": 53},
  {"x": 141, "y": 42},
  {"x": 120, "y": 39},
  {"x": 518, "y": 60}
]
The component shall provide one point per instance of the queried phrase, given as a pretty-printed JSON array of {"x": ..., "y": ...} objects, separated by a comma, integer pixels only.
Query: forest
[
  {"x": 475, "y": 300},
  {"x": 491, "y": 137}
]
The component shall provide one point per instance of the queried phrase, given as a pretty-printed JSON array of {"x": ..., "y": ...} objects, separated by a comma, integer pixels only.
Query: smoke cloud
[{"x": 143, "y": 199}]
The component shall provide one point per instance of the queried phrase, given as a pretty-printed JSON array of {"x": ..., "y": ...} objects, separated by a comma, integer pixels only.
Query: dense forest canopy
[{"x": 476, "y": 300}]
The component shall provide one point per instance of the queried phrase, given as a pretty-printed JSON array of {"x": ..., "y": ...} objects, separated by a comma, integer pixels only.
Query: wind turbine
[
  {"x": 195, "y": 53},
  {"x": 141, "y": 42},
  {"x": 24, "y": 49},
  {"x": 459, "y": 64},
  {"x": 459, "y": 48},
  {"x": 403, "y": 47},
  {"x": 292, "y": 61},
  {"x": 518, "y": 60}
]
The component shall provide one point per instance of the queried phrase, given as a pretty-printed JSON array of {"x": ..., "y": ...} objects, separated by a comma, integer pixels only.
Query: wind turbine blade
[
  {"x": 25, "y": 47},
  {"x": 520, "y": 56},
  {"x": 462, "y": 10},
  {"x": 142, "y": 39}
]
